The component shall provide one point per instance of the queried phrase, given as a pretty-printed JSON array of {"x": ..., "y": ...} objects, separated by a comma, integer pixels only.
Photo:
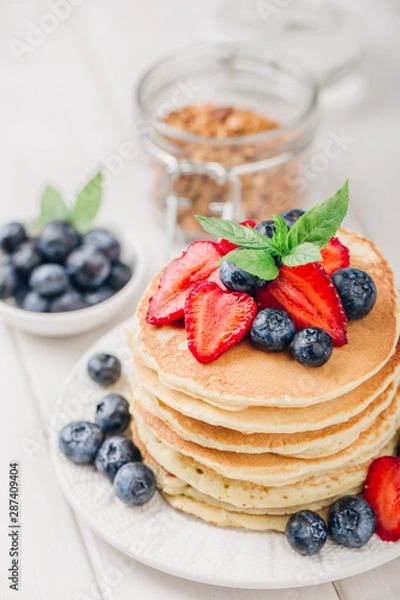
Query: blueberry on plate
[
  {"x": 35, "y": 303},
  {"x": 112, "y": 414},
  {"x": 11, "y": 235},
  {"x": 311, "y": 346},
  {"x": 103, "y": 240},
  {"x": 8, "y": 281},
  {"x": 104, "y": 369},
  {"x": 57, "y": 240},
  {"x": 267, "y": 228},
  {"x": 272, "y": 330},
  {"x": 88, "y": 267},
  {"x": 237, "y": 280},
  {"x": 135, "y": 484},
  {"x": 80, "y": 441},
  {"x": 357, "y": 291},
  {"x": 119, "y": 276},
  {"x": 114, "y": 453},
  {"x": 49, "y": 280},
  {"x": 71, "y": 300},
  {"x": 306, "y": 532},
  {"x": 97, "y": 296},
  {"x": 291, "y": 216},
  {"x": 351, "y": 521},
  {"x": 26, "y": 258}
]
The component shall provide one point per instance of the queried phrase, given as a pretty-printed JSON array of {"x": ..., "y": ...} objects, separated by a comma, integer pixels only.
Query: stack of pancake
[{"x": 252, "y": 437}]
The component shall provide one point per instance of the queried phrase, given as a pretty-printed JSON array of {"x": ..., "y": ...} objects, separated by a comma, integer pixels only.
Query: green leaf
[
  {"x": 52, "y": 207},
  {"x": 87, "y": 204},
  {"x": 301, "y": 255},
  {"x": 242, "y": 235},
  {"x": 255, "y": 262},
  {"x": 280, "y": 236},
  {"x": 319, "y": 224}
]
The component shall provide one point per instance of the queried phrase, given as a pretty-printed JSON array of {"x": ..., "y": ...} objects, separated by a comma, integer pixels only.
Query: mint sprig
[
  {"x": 262, "y": 256},
  {"x": 84, "y": 211}
]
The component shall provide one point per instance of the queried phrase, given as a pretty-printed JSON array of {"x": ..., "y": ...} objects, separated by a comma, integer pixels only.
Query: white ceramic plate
[{"x": 175, "y": 543}]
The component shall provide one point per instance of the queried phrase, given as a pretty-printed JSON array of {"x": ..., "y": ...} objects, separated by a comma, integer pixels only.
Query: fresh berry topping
[
  {"x": 114, "y": 453},
  {"x": 226, "y": 246},
  {"x": 382, "y": 492},
  {"x": 266, "y": 228},
  {"x": 11, "y": 235},
  {"x": 104, "y": 369},
  {"x": 119, "y": 276},
  {"x": 335, "y": 256},
  {"x": 112, "y": 414},
  {"x": 88, "y": 267},
  {"x": 309, "y": 296},
  {"x": 272, "y": 330},
  {"x": 351, "y": 521},
  {"x": 93, "y": 298},
  {"x": 8, "y": 281},
  {"x": 104, "y": 241},
  {"x": 265, "y": 299},
  {"x": 178, "y": 278},
  {"x": 135, "y": 484},
  {"x": 68, "y": 302},
  {"x": 306, "y": 532},
  {"x": 237, "y": 280},
  {"x": 35, "y": 303},
  {"x": 291, "y": 216},
  {"x": 26, "y": 258},
  {"x": 311, "y": 347},
  {"x": 216, "y": 320},
  {"x": 49, "y": 280},
  {"x": 80, "y": 441},
  {"x": 357, "y": 291},
  {"x": 57, "y": 240}
]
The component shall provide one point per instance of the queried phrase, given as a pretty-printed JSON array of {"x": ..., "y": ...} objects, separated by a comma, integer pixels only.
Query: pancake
[{"x": 245, "y": 376}]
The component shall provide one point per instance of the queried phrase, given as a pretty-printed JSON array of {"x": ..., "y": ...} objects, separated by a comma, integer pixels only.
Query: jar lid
[{"x": 330, "y": 40}]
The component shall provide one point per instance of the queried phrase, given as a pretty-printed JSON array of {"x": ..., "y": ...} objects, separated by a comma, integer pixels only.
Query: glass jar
[{"x": 245, "y": 176}]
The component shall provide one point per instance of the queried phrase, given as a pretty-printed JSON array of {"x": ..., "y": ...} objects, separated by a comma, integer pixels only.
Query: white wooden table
[{"x": 65, "y": 107}]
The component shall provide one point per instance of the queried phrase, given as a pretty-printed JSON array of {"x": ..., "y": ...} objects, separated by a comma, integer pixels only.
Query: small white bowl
[{"x": 79, "y": 321}]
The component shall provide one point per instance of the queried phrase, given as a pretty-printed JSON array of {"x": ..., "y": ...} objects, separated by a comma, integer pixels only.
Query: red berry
[
  {"x": 335, "y": 256},
  {"x": 382, "y": 492}
]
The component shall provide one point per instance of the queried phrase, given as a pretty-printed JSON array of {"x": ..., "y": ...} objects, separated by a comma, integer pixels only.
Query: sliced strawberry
[
  {"x": 226, "y": 246},
  {"x": 216, "y": 320},
  {"x": 309, "y": 296},
  {"x": 265, "y": 299},
  {"x": 335, "y": 256},
  {"x": 382, "y": 492},
  {"x": 196, "y": 264}
]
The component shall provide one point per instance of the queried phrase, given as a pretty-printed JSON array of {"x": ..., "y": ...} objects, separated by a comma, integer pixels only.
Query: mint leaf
[
  {"x": 319, "y": 224},
  {"x": 280, "y": 236},
  {"x": 87, "y": 204},
  {"x": 255, "y": 262},
  {"x": 52, "y": 207},
  {"x": 301, "y": 255},
  {"x": 242, "y": 235}
]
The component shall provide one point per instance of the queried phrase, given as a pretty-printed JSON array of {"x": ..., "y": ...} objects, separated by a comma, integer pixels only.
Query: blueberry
[
  {"x": 8, "y": 281},
  {"x": 49, "y": 280},
  {"x": 97, "y": 296},
  {"x": 21, "y": 293},
  {"x": 112, "y": 414},
  {"x": 80, "y": 441},
  {"x": 357, "y": 291},
  {"x": 88, "y": 267},
  {"x": 11, "y": 235},
  {"x": 114, "y": 453},
  {"x": 119, "y": 276},
  {"x": 68, "y": 302},
  {"x": 351, "y": 521},
  {"x": 311, "y": 346},
  {"x": 5, "y": 260},
  {"x": 135, "y": 484},
  {"x": 267, "y": 228},
  {"x": 57, "y": 240},
  {"x": 272, "y": 329},
  {"x": 291, "y": 216},
  {"x": 103, "y": 240},
  {"x": 35, "y": 303},
  {"x": 237, "y": 280},
  {"x": 26, "y": 258},
  {"x": 306, "y": 532},
  {"x": 104, "y": 369}
]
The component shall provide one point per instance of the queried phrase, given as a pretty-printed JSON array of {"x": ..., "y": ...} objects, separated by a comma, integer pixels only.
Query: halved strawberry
[
  {"x": 227, "y": 246},
  {"x": 265, "y": 299},
  {"x": 382, "y": 492},
  {"x": 179, "y": 276},
  {"x": 309, "y": 296},
  {"x": 216, "y": 320},
  {"x": 335, "y": 256}
]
